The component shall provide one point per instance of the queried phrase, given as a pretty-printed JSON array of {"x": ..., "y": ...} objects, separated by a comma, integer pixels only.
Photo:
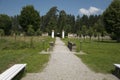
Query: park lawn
[
  {"x": 101, "y": 55},
  {"x": 20, "y": 51}
]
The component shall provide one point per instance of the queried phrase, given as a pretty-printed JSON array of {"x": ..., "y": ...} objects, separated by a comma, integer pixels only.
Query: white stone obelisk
[
  {"x": 63, "y": 34},
  {"x": 52, "y": 33}
]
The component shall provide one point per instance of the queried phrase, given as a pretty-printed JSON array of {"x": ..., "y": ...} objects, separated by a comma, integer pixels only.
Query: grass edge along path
[
  {"x": 100, "y": 56},
  {"x": 35, "y": 61}
]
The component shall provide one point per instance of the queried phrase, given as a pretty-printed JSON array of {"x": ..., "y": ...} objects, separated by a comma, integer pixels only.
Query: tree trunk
[{"x": 90, "y": 38}]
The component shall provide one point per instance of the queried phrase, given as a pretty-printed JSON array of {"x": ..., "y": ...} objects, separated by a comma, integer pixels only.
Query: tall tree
[
  {"x": 1, "y": 33},
  {"x": 15, "y": 24},
  {"x": 97, "y": 30},
  {"x": 93, "y": 19},
  {"x": 90, "y": 32},
  {"x": 84, "y": 31},
  {"x": 111, "y": 18},
  {"x": 70, "y": 27},
  {"x": 78, "y": 25},
  {"x": 30, "y": 30},
  {"x": 62, "y": 21},
  {"x": 29, "y": 16},
  {"x": 85, "y": 20},
  {"x": 5, "y": 23},
  {"x": 49, "y": 21}
]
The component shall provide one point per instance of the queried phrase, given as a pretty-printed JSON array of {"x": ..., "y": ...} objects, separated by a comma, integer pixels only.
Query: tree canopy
[
  {"x": 29, "y": 16},
  {"x": 111, "y": 19},
  {"x": 5, "y": 23},
  {"x": 30, "y": 22},
  {"x": 49, "y": 21}
]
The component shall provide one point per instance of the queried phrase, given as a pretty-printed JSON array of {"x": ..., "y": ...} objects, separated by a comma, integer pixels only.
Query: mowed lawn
[
  {"x": 100, "y": 55},
  {"x": 24, "y": 50}
]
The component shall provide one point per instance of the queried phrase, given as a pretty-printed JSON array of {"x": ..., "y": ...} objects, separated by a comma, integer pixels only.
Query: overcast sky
[{"x": 75, "y": 7}]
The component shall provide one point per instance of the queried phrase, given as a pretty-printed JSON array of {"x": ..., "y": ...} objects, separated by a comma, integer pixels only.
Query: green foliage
[
  {"x": 111, "y": 18},
  {"x": 78, "y": 24},
  {"x": 70, "y": 27},
  {"x": 99, "y": 26},
  {"x": 95, "y": 34},
  {"x": 29, "y": 16},
  {"x": 92, "y": 20},
  {"x": 1, "y": 32},
  {"x": 84, "y": 20},
  {"x": 113, "y": 36},
  {"x": 15, "y": 24},
  {"x": 54, "y": 19},
  {"x": 57, "y": 21},
  {"x": 49, "y": 21},
  {"x": 90, "y": 32},
  {"x": 5, "y": 23},
  {"x": 62, "y": 21},
  {"x": 84, "y": 30},
  {"x": 99, "y": 29},
  {"x": 79, "y": 33},
  {"x": 38, "y": 32},
  {"x": 103, "y": 33},
  {"x": 30, "y": 30}
]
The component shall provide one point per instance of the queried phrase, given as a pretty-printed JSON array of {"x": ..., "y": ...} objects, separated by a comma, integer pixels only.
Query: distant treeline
[{"x": 29, "y": 22}]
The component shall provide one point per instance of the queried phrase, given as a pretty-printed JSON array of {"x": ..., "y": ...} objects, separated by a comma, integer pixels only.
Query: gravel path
[{"x": 64, "y": 65}]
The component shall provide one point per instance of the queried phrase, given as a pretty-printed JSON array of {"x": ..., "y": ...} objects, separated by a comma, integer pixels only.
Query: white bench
[
  {"x": 117, "y": 70},
  {"x": 117, "y": 65},
  {"x": 10, "y": 73}
]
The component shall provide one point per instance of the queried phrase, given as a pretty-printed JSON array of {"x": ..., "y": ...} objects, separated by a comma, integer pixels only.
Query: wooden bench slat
[{"x": 12, "y": 72}]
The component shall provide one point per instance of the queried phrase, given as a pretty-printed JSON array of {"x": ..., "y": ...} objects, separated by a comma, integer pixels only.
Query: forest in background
[{"x": 30, "y": 23}]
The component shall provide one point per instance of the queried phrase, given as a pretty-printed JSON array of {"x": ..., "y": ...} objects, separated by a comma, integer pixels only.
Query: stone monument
[
  {"x": 52, "y": 33},
  {"x": 63, "y": 34}
]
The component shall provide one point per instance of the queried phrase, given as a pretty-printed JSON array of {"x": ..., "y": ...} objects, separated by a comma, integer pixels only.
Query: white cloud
[
  {"x": 90, "y": 11},
  {"x": 84, "y": 11},
  {"x": 94, "y": 10}
]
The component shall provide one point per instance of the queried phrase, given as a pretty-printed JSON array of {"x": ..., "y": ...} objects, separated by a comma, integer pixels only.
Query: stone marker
[
  {"x": 63, "y": 34},
  {"x": 52, "y": 33}
]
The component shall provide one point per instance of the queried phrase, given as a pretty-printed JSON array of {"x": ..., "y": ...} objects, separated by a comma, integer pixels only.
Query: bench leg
[
  {"x": 19, "y": 75},
  {"x": 117, "y": 72}
]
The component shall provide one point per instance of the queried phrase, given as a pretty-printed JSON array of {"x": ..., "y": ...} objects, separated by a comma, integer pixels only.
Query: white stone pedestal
[
  {"x": 63, "y": 34},
  {"x": 52, "y": 33}
]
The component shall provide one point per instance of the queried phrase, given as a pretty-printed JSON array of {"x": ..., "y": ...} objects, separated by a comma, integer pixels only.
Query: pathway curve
[{"x": 64, "y": 65}]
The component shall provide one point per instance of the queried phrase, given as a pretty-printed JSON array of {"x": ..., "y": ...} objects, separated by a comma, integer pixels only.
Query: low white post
[
  {"x": 63, "y": 34},
  {"x": 52, "y": 33}
]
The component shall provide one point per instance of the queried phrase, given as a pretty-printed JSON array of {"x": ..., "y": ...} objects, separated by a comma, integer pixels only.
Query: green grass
[
  {"x": 8, "y": 43},
  {"x": 100, "y": 56},
  {"x": 19, "y": 51}
]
